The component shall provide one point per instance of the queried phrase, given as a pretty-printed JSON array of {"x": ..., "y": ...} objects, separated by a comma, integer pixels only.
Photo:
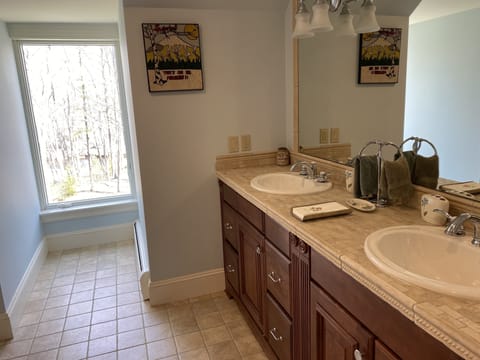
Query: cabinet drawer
[
  {"x": 279, "y": 330},
  {"x": 229, "y": 224},
  {"x": 244, "y": 207},
  {"x": 278, "y": 276},
  {"x": 230, "y": 259},
  {"x": 277, "y": 235}
]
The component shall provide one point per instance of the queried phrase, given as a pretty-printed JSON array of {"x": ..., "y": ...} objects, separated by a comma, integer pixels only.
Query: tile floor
[{"x": 86, "y": 305}]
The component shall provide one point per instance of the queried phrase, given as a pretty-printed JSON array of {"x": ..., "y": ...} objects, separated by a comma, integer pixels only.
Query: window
[{"x": 75, "y": 106}]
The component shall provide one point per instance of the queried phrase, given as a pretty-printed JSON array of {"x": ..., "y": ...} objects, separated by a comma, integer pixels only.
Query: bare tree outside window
[{"x": 74, "y": 94}]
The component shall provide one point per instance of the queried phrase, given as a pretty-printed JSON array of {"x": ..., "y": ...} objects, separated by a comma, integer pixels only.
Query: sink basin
[
  {"x": 288, "y": 184},
  {"x": 425, "y": 256}
]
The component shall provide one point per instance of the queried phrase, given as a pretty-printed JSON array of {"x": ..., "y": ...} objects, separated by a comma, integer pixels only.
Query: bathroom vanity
[{"x": 312, "y": 293}]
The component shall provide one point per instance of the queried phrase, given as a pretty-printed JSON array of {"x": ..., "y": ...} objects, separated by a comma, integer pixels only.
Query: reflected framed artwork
[
  {"x": 379, "y": 58},
  {"x": 173, "y": 57}
]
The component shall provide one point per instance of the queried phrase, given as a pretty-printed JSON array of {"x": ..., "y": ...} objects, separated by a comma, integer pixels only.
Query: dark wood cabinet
[
  {"x": 252, "y": 264},
  {"x": 384, "y": 353},
  {"x": 335, "y": 335},
  {"x": 279, "y": 330},
  {"x": 230, "y": 262}
]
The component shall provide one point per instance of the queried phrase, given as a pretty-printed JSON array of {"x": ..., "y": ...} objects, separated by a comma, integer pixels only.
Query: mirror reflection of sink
[
  {"x": 288, "y": 184},
  {"x": 425, "y": 256}
]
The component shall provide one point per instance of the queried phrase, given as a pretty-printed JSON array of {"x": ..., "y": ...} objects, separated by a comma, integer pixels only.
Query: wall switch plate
[
  {"x": 323, "y": 136},
  {"x": 245, "y": 143},
  {"x": 334, "y": 135},
  {"x": 233, "y": 144}
]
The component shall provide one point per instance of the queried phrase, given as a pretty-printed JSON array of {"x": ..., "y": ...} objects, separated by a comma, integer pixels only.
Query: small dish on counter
[{"x": 361, "y": 205}]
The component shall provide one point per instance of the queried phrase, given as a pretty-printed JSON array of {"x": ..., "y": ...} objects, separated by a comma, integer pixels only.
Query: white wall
[
  {"x": 443, "y": 85},
  {"x": 179, "y": 134},
  {"x": 331, "y": 97},
  {"x": 20, "y": 228}
]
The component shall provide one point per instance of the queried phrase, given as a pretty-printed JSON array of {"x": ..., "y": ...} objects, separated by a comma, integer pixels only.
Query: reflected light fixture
[{"x": 306, "y": 24}]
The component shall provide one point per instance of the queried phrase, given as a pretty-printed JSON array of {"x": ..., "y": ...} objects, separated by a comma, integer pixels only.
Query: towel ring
[
  {"x": 417, "y": 144},
  {"x": 380, "y": 144}
]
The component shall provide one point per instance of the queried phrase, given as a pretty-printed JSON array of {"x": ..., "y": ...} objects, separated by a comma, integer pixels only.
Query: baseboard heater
[{"x": 142, "y": 257}]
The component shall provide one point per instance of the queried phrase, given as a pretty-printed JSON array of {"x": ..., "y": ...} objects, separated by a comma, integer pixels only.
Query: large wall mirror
[{"x": 435, "y": 97}]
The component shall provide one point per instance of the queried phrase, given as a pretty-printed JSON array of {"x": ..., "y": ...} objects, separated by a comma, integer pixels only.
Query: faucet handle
[
  {"x": 322, "y": 177},
  {"x": 449, "y": 217}
]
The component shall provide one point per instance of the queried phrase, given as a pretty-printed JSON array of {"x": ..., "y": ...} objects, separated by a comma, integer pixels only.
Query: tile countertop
[{"x": 453, "y": 321}]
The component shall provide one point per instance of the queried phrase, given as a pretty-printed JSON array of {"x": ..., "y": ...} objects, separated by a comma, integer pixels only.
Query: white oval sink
[
  {"x": 287, "y": 184},
  {"x": 425, "y": 256}
]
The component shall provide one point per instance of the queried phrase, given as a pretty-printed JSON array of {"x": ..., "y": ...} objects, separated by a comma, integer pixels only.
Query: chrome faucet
[
  {"x": 306, "y": 169},
  {"x": 455, "y": 225}
]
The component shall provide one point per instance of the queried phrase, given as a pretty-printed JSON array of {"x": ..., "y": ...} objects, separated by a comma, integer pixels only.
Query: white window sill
[{"x": 80, "y": 212}]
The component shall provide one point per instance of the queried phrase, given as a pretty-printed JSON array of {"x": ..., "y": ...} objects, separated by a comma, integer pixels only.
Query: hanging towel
[
  {"x": 426, "y": 171},
  {"x": 396, "y": 176},
  {"x": 365, "y": 176},
  {"x": 411, "y": 157}
]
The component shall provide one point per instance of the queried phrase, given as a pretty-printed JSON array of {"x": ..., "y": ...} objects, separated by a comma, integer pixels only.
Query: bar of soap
[{"x": 321, "y": 210}]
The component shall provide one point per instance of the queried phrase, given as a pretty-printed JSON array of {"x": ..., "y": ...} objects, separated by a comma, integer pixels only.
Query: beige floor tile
[
  {"x": 73, "y": 352},
  {"x": 129, "y": 310},
  {"x": 104, "y": 315},
  {"x": 160, "y": 349},
  {"x": 46, "y": 355},
  {"x": 134, "y": 353},
  {"x": 31, "y": 318},
  {"x": 104, "y": 303},
  {"x": 88, "y": 276},
  {"x": 239, "y": 329},
  {"x": 50, "y": 327},
  {"x": 179, "y": 312},
  {"x": 77, "y": 321},
  {"x": 57, "y": 301},
  {"x": 35, "y": 305},
  {"x": 124, "y": 278},
  {"x": 198, "y": 354},
  {"x": 54, "y": 313},
  {"x": 108, "y": 356},
  {"x": 184, "y": 326},
  {"x": 131, "y": 338},
  {"x": 158, "y": 332},
  {"x": 107, "y": 281},
  {"x": 216, "y": 335},
  {"x": 105, "y": 292},
  {"x": 63, "y": 280},
  {"x": 209, "y": 320},
  {"x": 248, "y": 345},
  {"x": 189, "y": 342},
  {"x": 204, "y": 307},
  {"x": 83, "y": 286},
  {"x": 128, "y": 298},
  {"x": 155, "y": 318},
  {"x": 15, "y": 349},
  {"x": 24, "y": 333},
  {"x": 102, "y": 345},
  {"x": 259, "y": 356},
  {"x": 103, "y": 330},
  {"x": 231, "y": 315},
  {"x": 81, "y": 297},
  {"x": 60, "y": 290},
  {"x": 71, "y": 337},
  {"x": 127, "y": 287},
  {"x": 105, "y": 273},
  {"x": 130, "y": 323},
  {"x": 45, "y": 343},
  {"x": 80, "y": 308},
  {"x": 224, "y": 351}
]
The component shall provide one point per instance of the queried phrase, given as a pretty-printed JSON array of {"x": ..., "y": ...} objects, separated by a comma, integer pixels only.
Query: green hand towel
[
  {"x": 411, "y": 157},
  {"x": 426, "y": 171},
  {"x": 365, "y": 180},
  {"x": 397, "y": 177}
]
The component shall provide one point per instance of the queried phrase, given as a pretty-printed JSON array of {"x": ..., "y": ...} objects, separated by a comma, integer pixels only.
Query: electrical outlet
[
  {"x": 323, "y": 136},
  {"x": 245, "y": 143},
  {"x": 233, "y": 145},
  {"x": 334, "y": 135}
]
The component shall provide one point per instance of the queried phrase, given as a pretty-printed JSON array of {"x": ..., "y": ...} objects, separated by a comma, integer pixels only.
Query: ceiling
[{"x": 107, "y": 10}]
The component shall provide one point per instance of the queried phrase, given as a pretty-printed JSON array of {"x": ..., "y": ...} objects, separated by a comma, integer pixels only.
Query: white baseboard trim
[
  {"x": 17, "y": 305},
  {"x": 5, "y": 327},
  {"x": 90, "y": 237},
  {"x": 142, "y": 257},
  {"x": 188, "y": 286}
]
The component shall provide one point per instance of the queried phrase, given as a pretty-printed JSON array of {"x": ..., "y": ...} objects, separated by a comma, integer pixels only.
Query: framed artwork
[
  {"x": 379, "y": 57},
  {"x": 173, "y": 57}
]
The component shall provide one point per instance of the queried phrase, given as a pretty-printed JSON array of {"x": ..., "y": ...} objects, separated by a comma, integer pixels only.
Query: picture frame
[
  {"x": 173, "y": 57},
  {"x": 379, "y": 56}
]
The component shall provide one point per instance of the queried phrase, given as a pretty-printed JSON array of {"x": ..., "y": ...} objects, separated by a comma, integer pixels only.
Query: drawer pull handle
[
  {"x": 259, "y": 250},
  {"x": 276, "y": 337},
  {"x": 228, "y": 226},
  {"x": 357, "y": 355},
  {"x": 272, "y": 277},
  {"x": 230, "y": 269}
]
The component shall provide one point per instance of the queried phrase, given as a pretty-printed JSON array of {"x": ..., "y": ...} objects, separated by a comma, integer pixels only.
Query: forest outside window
[{"x": 77, "y": 124}]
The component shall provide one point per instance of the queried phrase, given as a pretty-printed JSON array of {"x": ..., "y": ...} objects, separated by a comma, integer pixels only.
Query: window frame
[{"x": 33, "y": 134}]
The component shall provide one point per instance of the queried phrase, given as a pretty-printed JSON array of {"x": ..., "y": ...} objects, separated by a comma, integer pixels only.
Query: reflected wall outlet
[
  {"x": 323, "y": 136},
  {"x": 233, "y": 145},
  {"x": 245, "y": 143},
  {"x": 334, "y": 135}
]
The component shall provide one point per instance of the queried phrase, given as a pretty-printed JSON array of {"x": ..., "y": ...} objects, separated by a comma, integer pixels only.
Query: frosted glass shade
[
  {"x": 302, "y": 26},
  {"x": 367, "y": 21},
  {"x": 320, "y": 19},
  {"x": 345, "y": 25}
]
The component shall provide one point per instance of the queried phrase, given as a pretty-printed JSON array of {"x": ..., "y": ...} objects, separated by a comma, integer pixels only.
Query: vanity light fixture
[{"x": 306, "y": 24}]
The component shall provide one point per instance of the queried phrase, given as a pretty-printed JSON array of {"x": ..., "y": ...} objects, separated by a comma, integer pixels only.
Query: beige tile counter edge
[{"x": 418, "y": 311}]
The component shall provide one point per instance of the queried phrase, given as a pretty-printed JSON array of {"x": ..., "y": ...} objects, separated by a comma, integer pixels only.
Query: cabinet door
[
  {"x": 279, "y": 330},
  {"x": 230, "y": 260},
  {"x": 335, "y": 334},
  {"x": 384, "y": 353},
  {"x": 252, "y": 259},
  {"x": 229, "y": 225}
]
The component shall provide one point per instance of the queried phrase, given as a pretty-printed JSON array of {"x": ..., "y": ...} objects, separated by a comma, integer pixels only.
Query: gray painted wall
[
  {"x": 2, "y": 305},
  {"x": 20, "y": 228},
  {"x": 443, "y": 84},
  {"x": 179, "y": 134}
]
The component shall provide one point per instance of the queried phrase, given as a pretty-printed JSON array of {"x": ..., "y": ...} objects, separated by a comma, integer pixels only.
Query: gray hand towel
[
  {"x": 426, "y": 171},
  {"x": 365, "y": 176},
  {"x": 411, "y": 157}
]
